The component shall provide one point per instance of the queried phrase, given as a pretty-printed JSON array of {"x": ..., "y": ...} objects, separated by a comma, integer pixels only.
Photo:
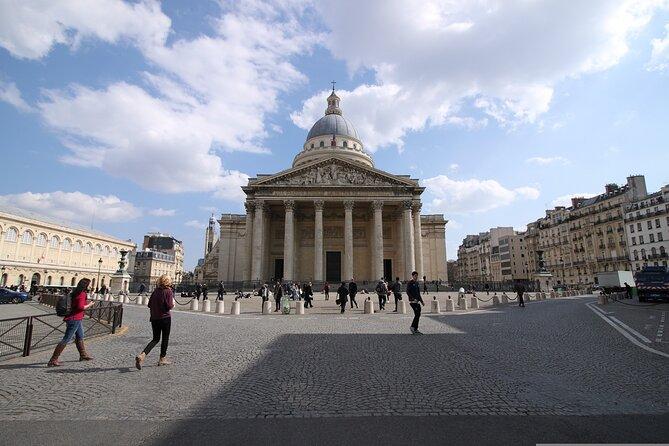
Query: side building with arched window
[{"x": 39, "y": 251}]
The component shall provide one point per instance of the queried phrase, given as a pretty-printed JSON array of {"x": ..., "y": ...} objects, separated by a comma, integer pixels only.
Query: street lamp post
[{"x": 97, "y": 282}]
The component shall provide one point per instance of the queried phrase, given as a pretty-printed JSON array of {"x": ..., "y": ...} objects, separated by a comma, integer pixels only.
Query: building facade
[
  {"x": 150, "y": 265},
  {"x": 165, "y": 244},
  {"x": 647, "y": 229},
  {"x": 330, "y": 217},
  {"x": 38, "y": 251}
]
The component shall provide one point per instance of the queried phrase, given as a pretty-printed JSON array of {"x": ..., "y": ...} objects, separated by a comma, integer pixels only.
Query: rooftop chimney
[{"x": 576, "y": 201}]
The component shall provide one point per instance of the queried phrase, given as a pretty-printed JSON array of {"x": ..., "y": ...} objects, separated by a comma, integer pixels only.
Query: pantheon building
[{"x": 329, "y": 217}]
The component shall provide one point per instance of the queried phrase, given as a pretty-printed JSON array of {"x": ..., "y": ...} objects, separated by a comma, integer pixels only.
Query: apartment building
[{"x": 647, "y": 229}]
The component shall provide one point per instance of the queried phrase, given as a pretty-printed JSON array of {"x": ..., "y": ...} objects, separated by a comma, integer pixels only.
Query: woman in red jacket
[
  {"x": 160, "y": 304},
  {"x": 74, "y": 325}
]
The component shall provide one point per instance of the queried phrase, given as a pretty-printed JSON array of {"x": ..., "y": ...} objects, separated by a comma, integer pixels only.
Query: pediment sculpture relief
[{"x": 334, "y": 175}]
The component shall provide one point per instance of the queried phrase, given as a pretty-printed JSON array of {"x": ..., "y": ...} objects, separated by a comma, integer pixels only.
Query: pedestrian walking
[
  {"x": 74, "y": 327},
  {"x": 342, "y": 296},
  {"x": 221, "y": 290},
  {"x": 520, "y": 290},
  {"x": 308, "y": 293},
  {"x": 204, "y": 292},
  {"x": 397, "y": 292},
  {"x": 352, "y": 291},
  {"x": 142, "y": 288},
  {"x": 424, "y": 284},
  {"x": 264, "y": 294},
  {"x": 160, "y": 304},
  {"x": 326, "y": 290},
  {"x": 198, "y": 291},
  {"x": 415, "y": 300},
  {"x": 628, "y": 290},
  {"x": 278, "y": 292},
  {"x": 382, "y": 293}
]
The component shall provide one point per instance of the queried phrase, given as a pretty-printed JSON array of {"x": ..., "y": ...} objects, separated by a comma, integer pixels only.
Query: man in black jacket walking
[
  {"x": 397, "y": 292},
  {"x": 415, "y": 300},
  {"x": 352, "y": 291},
  {"x": 342, "y": 296}
]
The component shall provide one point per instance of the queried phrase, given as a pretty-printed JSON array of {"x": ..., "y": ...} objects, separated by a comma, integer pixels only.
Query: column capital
[
  {"x": 377, "y": 205},
  {"x": 289, "y": 204},
  {"x": 249, "y": 205},
  {"x": 348, "y": 205},
  {"x": 319, "y": 205},
  {"x": 260, "y": 205},
  {"x": 406, "y": 204},
  {"x": 417, "y": 206}
]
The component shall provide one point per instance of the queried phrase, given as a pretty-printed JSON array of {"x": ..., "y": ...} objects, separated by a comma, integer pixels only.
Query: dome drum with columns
[{"x": 330, "y": 217}]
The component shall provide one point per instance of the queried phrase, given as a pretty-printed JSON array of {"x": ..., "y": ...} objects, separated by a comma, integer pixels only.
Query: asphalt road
[{"x": 552, "y": 372}]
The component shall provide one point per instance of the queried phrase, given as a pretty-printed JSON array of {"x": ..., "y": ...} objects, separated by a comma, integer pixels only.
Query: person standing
[
  {"x": 264, "y": 294},
  {"x": 278, "y": 292},
  {"x": 198, "y": 291},
  {"x": 397, "y": 292},
  {"x": 424, "y": 284},
  {"x": 342, "y": 296},
  {"x": 326, "y": 290},
  {"x": 308, "y": 293},
  {"x": 142, "y": 288},
  {"x": 204, "y": 292},
  {"x": 352, "y": 291},
  {"x": 221, "y": 290},
  {"x": 520, "y": 290},
  {"x": 74, "y": 326},
  {"x": 628, "y": 290},
  {"x": 382, "y": 293},
  {"x": 160, "y": 304},
  {"x": 415, "y": 300}
]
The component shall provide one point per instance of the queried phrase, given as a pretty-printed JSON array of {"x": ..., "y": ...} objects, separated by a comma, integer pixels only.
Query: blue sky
[{"x": 145, "y": 116}]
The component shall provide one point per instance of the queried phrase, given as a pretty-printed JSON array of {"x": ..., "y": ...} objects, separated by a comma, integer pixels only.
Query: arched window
[
  {"x": 98, "y": 249},
  {"x": 322, "y": 144},
  {"x": 55, "y": 241},
  {"x": 27, "y": 238},
  {"x": 41, "y": 240},
  {"x": 88, "y": 247},
  {"x": 67, "y": 244},
  {"x": 48, "y": 280},
  {"x": 62, "y": 280},
  {"x": 662, "y": 251},
  {"x": 643, "y": 253},
  {"x": 11, "y": 235},
  {"x": 312, "y": 145},
  {"x": 73, "y": 281},
  {"x": 3, "y": 280},
  {"x": 20, "y": 279},
  {"x": 653, "y": 251},
  {"x": 636, "y": 254},
  {"x": 77, "y": 246},
  {"x": 346, "y": 144}
]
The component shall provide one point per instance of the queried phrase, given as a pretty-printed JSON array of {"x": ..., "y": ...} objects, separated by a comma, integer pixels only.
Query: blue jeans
[{"x": 73, "y": 328}]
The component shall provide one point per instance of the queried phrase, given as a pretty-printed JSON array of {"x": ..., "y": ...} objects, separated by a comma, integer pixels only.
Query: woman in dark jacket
[
  {"x": 74, "y": 327},
  {"x": 342, "y": 292},
  {"x": 308, "y": 294},
  {"x": 160, "y": 304}
]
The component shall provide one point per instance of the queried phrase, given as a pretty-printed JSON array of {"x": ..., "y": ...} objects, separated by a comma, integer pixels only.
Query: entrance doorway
[
  {"x": 333, "y": 266},
  {"x": 278, "y": 269},
  {"x": 388, "y": 269}
]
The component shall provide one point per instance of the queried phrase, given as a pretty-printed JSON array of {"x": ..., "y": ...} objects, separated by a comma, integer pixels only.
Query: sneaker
[
  {"x": 417, "y": 332},
  {"x": 413, "y": 330}
]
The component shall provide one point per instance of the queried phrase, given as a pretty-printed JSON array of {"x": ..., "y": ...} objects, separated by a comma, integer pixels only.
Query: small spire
[{"x": 333, "y": 86}]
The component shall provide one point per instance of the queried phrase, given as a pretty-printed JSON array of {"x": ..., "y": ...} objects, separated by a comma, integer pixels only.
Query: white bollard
[
  {"x": 474, "y": 303},
  {"x": 194, "y": 304},
  {"x": 450, "y": 305},
  {"x": 206, "y": 306},
  {"x": 266, "y": 307},
  {"x": 299, "y": 307},
  {"x": 125, "y": 299},
  {"x": 402, "y": 307},
  {"x": 552, "y": 294},
  {"x": 462, "y": 304},
  {"x": 495, "y": 300},
  {"x": 369, "y": 307},
  {"x": 543, "y": 296},
  {"x": 601, "y": 299},
  {"x": 236, "y": 308},
  {"x": 505, "y": 298},
  {"x": 220, "y": 307},
  {"x": 435, "y": 306}
]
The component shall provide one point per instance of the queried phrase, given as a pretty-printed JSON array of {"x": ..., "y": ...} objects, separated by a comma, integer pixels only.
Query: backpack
[
  {"x": 64, "y": 305},
  {"x": 378, "y": 288}
]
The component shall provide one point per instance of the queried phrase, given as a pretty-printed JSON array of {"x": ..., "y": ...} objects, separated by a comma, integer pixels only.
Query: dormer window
[
  {"x": 346, "y": 144},
  {"x": 312, "y": 145},
  {"x": 322, "y": 144}
]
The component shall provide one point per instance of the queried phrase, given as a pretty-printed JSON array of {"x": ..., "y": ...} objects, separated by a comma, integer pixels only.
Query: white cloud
[
  {"x": 29, "y": 29},
  {"x": 76, "y": 206},
  {"x": 659, "y": 58},
  {"x": 545, "y": 161},
  {"x": 454, "y": 167},
  {"x": 473, "y": 195},
  {"x": 565, "y": 200},
  {"x": 160, "y": 212},
  {"x": 431, "y": 62},
  {"x": 195, "y": 224},
  {"x": 10, "y": 94}
]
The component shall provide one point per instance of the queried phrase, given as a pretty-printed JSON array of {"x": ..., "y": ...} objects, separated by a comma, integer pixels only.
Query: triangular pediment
[{"x": 333, "y": 171}]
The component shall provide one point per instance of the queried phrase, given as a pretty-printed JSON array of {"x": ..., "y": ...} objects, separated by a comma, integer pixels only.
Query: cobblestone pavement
[{"x": 553, "y": 360}]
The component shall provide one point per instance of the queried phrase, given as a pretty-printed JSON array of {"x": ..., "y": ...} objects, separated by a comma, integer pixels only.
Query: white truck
[{"x": 615, "y": 280}]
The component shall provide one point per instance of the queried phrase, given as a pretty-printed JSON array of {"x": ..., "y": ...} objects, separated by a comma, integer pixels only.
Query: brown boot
[
  {"x": 53, "y": 362},
  {"x": 83, "y": 356},
  {"x": 163, "y": 361},
  {"x": 139, "y": 359}
]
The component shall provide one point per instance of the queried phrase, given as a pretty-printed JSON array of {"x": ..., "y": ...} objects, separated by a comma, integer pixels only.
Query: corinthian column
[
  {"x": 377, "y": 241},
  {"x": 288, "y": 241},
  {"x": 258, "y": 234},
  {"x": 348, "y": 240},
  {"x": 408, "y": 239},
  {"x": 418, "y": 241},
  {"x": 318, "y": 240},
  {"x": 249, "y": 205}
]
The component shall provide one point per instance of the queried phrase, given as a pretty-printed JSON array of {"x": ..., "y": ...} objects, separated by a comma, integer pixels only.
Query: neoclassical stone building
[{"x": 330, "y": 217}]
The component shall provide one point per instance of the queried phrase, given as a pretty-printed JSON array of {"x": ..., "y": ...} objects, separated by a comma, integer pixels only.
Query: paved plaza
[{"x": 552, "y": 372}]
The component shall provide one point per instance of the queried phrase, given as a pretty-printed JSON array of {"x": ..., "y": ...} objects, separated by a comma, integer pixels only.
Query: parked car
[{"x": 9, "y": 296}]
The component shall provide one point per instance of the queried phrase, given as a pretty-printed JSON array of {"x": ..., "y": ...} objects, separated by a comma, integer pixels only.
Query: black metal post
[{"x": 28, "y": 338}]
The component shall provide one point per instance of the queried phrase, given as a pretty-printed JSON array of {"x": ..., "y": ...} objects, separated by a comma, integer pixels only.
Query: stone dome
[{"x": 333, "y": 134}]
